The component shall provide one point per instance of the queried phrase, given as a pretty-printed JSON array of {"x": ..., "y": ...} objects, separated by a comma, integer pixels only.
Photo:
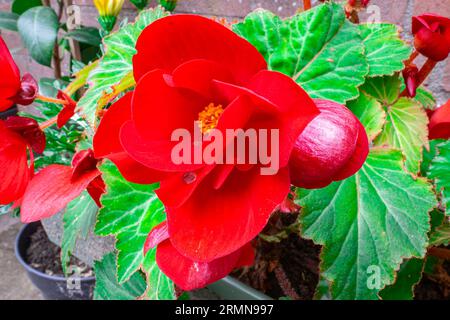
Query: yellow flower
[{"x": 108, "y": 8}]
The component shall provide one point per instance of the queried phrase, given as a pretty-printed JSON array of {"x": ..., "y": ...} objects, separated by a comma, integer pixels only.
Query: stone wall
[{"x": 397, "y": 11}]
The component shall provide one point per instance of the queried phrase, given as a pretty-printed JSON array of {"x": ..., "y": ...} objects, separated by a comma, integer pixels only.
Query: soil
[
  {"x": 435, "y": 286},
  {"x": 283, "y": 269},
  {"x": 45, "y": 256},
  {"x": 287, "y": 266}
]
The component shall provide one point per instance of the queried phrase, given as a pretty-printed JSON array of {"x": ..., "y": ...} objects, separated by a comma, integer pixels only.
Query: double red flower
[
  {"x": 432, "y": 36},
  {"x": 188, "y": 67},
  {"x": 19, "y": 137},
  {"x": 13, "y": 89}
]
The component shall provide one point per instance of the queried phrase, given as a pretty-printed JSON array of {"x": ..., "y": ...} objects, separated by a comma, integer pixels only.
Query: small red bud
[{"x": 410, "y": 75}]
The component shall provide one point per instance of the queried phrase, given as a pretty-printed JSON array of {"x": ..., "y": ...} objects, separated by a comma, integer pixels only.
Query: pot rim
[{"x": 30, "y": 268}]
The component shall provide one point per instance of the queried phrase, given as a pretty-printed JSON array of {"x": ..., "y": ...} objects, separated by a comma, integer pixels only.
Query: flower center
[{"x": 209, "y": 117}]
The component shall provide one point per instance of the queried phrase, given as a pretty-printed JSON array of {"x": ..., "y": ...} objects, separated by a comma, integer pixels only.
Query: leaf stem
[
  {"x": 48, "y": 123},
  {"x": 52, "y": 100}
]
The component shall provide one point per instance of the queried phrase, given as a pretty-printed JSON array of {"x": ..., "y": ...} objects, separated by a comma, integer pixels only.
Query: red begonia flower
[
  {"x": 189, "y": 274},
  {"x": 14, "y": 90},
  {"x": 68, "y": 109},
  {"x": 333, "y": 147},
  {"x": 18, "y": 137},
  {"x": 439, "y": 126},
  {"x": 189, "y": 68},
  {"x": 432, "y": 36},
  {"x": 54, "y": 187}
]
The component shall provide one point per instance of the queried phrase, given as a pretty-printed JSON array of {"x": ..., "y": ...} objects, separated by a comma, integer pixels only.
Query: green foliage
[
  {"x": 107, "y": 287},
  {"x": 79, "y": 220},
  {"x": 129, "y": 212},
  {"x": 319, "y": 48},
  {"x": 408, "y": 276},
  {"x": 440, "y": 172},
  {"x": 20, "y": 6},
  {"x": 368, "y": 224},
  {"x": 406, "y": 125},
  {"x": 38, "y": 28},
  {"x": 8, "y": 21},
  {"x": 160, "y": 287},
  {"x": 385, "y": 51},
  {"x": 116, "y": 63},
  {"x": 60, "y": 143},
  {"x": 88, "y": 35}
]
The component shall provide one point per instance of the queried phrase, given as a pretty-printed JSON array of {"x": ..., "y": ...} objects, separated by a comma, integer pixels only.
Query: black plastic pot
[
  {"x": 7, "y": 113},
  {"x": 231, "y": 289},
  {"x": 52, "y": 287}
]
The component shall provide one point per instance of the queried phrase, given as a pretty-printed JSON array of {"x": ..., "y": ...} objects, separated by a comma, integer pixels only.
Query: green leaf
[
  {"x": 368, "y": 224},
  {"x": 106, "y": 285},
  {"x": 88, "y": 35},
  {"x": 159, "y": 286},
  {"x": 38, "y": 28},
  {"x": 129, "y": 212},
  {"x": 262, "y": 29},
  {"x": 371, "y": 114},
  {"x": 60, "y": 143},
  {"x": 428, "y": 156},
  {"x": 440, "y": 172},
  {"x": 406, "y": 126},
  {"x": 79, "y": 219},
  {"x": 441, "y": 235},
  {"x": 408, "y": 277},
  {"x": 385, "y": 51},
  {"x": 425, "y": 98},
  {"x": 20, "y": 6},
  {"x": 320, "y": 49},
  {"x": 116, "y": 64},
  {"x": 8, "y": 21},
  {"x": 406, "y": 129}
]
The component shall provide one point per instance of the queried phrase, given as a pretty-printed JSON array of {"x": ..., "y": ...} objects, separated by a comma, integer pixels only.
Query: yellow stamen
[{"x": 209, "y": 117}]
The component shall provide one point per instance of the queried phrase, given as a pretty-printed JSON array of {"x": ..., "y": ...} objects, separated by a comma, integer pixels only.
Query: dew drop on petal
[{"x": 189, "y": 177}]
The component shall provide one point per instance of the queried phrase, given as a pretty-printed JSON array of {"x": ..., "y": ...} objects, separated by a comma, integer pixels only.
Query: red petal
[
  {"x": 153, "y": 154},
  {"x": 439, "y": 125},
  {"x": 174, "y": 40},
  {"x": 67, "y": 111},
  {"x": 51, "y": 190},
  {"x": 10, "y": 79},
  {"x": 156, "y": 236},
  {"x": 29, "y": 130},
  {"x": 14, "y": 170},
  {"x": 214, "y": 223},
  {"x": 158, "y": 108},
  {"x": 82, "y": 162},
  {"x": 198, "y": 75},
  {"x": 96, "y": 189},
  {"x": 107, "y": 144},
  {"x": 189, "y": 274}
]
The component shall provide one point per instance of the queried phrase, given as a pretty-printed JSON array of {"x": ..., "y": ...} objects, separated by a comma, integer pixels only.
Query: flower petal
[
  {"x": 439, "y": 125},
  {"x": 10, "y": 79},
  {"x": 190, "y": 275},
  {"x": 107, "y": 144},
  {"x": 51, "y": 190},
  {"x": 215, "y": 223},
  {"x": 174, "y": 40}
]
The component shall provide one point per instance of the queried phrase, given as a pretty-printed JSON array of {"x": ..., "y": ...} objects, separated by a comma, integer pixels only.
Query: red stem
[
  {"x": 306, "y": 4},
  {"x": 439, "y": 253}
]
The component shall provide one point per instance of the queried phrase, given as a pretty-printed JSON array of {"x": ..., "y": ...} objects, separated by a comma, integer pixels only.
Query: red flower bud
[
  {"x": 29, "y": 130},
  {"x": 333, "y": 147},
  {"x": 410, "y": 76},
  {"x": 432, "y": 36},
  {"x": 439, "y": 126}
]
